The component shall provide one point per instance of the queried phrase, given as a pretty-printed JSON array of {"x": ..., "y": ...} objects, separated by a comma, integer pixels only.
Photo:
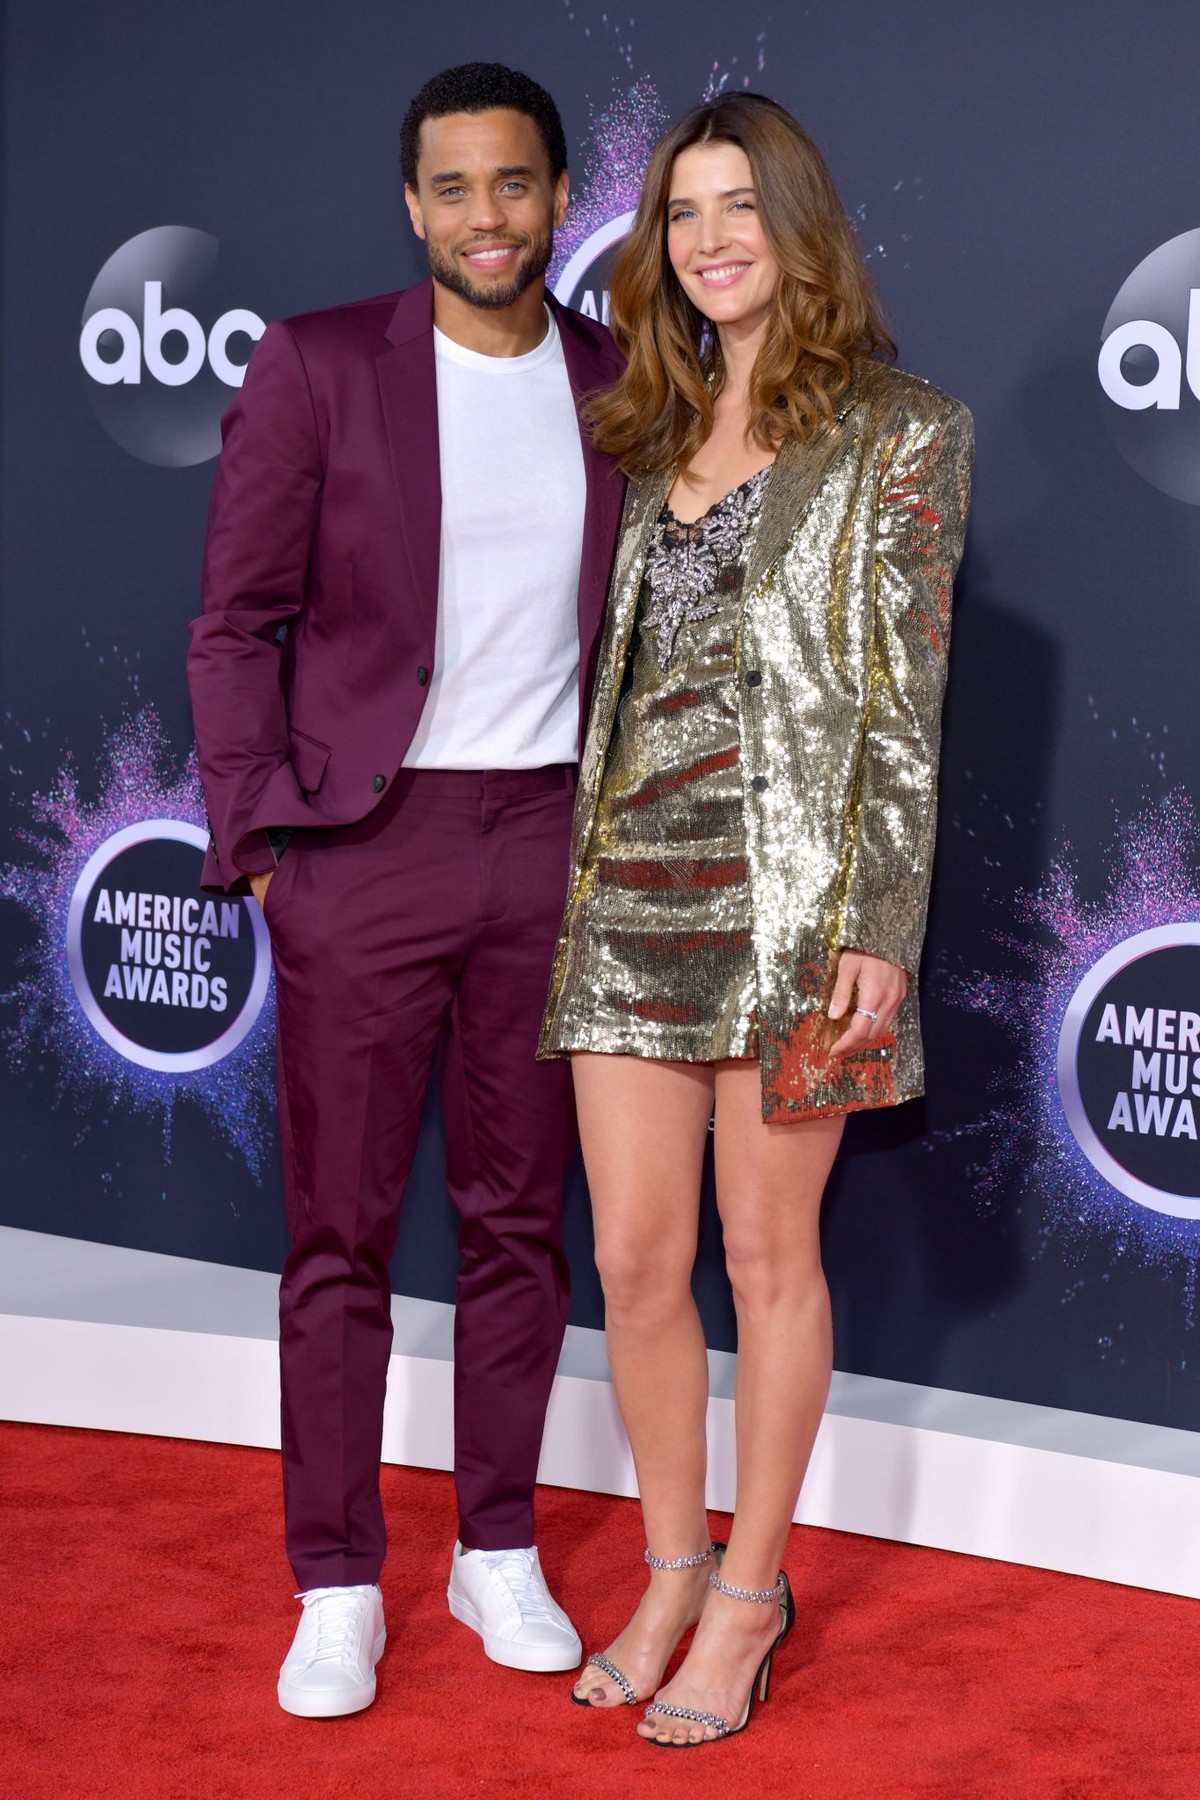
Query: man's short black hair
[{"x": 479, "y": 87}]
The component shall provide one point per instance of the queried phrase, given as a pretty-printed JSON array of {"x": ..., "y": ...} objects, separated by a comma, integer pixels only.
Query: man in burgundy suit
[{"x": 407, "y": 559}]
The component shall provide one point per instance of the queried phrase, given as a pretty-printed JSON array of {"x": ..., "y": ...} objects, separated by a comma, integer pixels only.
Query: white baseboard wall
[{"x": 1105, "y": 1498}]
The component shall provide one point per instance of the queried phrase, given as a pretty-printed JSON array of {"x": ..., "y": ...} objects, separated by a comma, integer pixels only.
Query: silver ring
[{"x": 867, "y": 1013}]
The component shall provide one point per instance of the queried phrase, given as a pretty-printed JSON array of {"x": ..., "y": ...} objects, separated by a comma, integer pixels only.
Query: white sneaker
[
  {"x": 330, "y": 1668},
  {"x": 502, "y": 1594}
]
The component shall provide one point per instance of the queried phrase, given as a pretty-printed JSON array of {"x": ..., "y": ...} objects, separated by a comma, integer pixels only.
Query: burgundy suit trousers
[{"x": 442, "y": 907}]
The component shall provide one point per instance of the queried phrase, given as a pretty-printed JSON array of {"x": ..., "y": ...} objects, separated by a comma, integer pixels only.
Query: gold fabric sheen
[
  {"x": 845, "y": 621},
  {"x": 660, "y": 960}
]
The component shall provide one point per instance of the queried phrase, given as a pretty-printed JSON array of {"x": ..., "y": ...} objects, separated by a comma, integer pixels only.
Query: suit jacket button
[
  {"x": 753, "y": 677},
  {"x": 379, "y": 783},
  {"x": 759, "y": 784},
  {"x": 422, "y": 675}
]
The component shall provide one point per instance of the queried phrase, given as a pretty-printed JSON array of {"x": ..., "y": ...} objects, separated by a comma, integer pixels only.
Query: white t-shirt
[{"x": 504, "y": 692}]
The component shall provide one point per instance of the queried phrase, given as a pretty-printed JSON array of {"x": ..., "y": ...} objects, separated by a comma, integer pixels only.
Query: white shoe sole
[
  {"x": 330, "y": 1703},
  {"x": 534, "y": 1659}
]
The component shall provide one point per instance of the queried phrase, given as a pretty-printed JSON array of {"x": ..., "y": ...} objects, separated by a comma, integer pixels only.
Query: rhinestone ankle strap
[
  {"x": 760, "y": 1596},
  {"x": 680, "y": 1562}
]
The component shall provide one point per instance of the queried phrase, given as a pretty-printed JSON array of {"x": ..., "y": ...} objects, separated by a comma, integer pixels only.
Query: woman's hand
[
  {"x": 876, "y": 989},
  {"x": 259, "y": 884}
]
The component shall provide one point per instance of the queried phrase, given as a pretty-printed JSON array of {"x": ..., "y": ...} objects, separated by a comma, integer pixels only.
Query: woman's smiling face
[{"x": 715, "y": 239}]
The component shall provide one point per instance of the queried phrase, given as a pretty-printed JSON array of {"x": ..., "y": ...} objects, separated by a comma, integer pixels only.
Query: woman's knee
[
  {"x": 642, "y": 1279},
  {"x": 765, "y": 1271}
]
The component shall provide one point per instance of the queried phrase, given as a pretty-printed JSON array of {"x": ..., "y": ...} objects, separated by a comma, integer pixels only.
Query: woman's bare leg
[
  {"x": 643, "y": 1126},
  {"x": 770, "y": 1179}
]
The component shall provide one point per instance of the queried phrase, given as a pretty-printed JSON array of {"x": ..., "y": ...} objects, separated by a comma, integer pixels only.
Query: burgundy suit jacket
[{"x": 309, "y": 664}]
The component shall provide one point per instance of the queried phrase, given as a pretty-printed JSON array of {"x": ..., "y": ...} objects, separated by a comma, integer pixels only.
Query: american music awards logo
[
  {"x": 173, "y": 979},
  {"x": 1129, "y": 1067},
  {"x": 138, "y": 990},
  {"x": 1098, "y": 1112},
  {"x": 586, "y": 277}
]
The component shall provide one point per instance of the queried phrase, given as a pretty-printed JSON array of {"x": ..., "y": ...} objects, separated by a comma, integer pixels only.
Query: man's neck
[{"x": 493, "y": 331}]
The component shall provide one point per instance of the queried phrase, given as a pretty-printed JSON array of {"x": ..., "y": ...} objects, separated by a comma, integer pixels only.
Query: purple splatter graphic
[
  {"x": 722, "y": 80},
  {"x": 134, "y": 782},
  {"x": 615, "y": 154},
  {"x": 620, "y": 139},
  {"x": 1153, "y": 880}
]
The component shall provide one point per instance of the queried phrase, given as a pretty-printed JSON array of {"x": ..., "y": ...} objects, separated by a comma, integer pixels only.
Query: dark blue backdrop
[{"x": 1008, "y": 165}]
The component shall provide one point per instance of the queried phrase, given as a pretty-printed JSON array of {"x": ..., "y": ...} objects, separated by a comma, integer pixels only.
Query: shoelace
[
  {"x": 516, "y": 1569},
  {"x": 336, "y": 1610}
]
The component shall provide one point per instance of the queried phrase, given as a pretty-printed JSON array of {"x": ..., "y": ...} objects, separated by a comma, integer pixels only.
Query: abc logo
[
  {"x": 584, "y": 281},
  {"x": 161, "y": 352},
  {"x": 1149, "y": 368}
]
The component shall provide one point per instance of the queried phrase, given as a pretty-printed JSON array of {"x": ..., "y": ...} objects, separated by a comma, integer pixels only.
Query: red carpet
[{"x": 147, "y": 1606}]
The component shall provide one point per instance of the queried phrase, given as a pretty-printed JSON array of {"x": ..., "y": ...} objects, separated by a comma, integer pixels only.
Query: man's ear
[
  {"x": 414, "y": 210},
  {"x": 562, "y": 195}
]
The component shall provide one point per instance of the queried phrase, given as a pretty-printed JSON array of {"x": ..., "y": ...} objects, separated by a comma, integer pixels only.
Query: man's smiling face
[{"x": 485, "y": 204}]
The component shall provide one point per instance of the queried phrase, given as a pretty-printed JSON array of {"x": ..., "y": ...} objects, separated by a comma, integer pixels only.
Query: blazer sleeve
[
  {"x": 920, "y": 524},
  {"x": 262, "y": 518}
]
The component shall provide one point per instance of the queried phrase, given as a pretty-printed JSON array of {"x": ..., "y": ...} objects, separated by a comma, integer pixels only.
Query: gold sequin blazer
[{"x": 841, "y": 661}]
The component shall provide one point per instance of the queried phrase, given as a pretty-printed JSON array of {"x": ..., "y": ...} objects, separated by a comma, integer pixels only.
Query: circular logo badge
[
  {"x": 1129, "y": 1068},
  {"x": 172, "y": 978},
  {"x": 584, "y": 281},
  {"x": 162, "y": 350},
  {"x": 1149, "y": 368}
]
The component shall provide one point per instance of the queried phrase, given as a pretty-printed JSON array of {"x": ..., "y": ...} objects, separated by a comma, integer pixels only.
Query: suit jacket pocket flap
[{"x": 308, "y": 758}]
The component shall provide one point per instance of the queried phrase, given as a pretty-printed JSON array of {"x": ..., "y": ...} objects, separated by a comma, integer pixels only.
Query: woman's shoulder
[
  {"x": 888, "y": 391},
  {"x": 650, "y": 479},
  {"x": 650, "y": 489}
]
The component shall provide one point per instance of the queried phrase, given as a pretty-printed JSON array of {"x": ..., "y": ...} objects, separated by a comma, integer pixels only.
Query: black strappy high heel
[{"x": 760, "y": 1687}]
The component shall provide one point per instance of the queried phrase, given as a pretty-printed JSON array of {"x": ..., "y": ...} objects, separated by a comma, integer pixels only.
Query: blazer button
[
  {"x": 422, "y": 675},
  {"x": 759, "y": 784},
  {"x": 754, "y": 678},
  {"x": 379, "y": 783}
]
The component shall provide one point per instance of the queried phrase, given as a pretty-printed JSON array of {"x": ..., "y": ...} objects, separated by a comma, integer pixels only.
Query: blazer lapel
[
  {"x": 642, "y": 507},
  {"x": 408, "y": 391},
  {"x": 643, "y": 503},
  {"x": 798, "y": 472}
]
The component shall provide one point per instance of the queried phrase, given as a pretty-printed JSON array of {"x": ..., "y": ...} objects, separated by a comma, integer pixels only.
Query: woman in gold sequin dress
[{"x": 752, "y": 847}]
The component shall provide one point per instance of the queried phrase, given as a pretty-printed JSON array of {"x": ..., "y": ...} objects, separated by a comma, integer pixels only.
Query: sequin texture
[
  {"x": 662, "y": 960},
  {"x": 839, "y": 651}
]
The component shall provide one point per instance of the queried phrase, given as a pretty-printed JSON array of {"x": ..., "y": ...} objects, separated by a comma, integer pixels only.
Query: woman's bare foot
[
  {"x": 718, "y": 1671},
  {"x": 670, "y": 1606}
]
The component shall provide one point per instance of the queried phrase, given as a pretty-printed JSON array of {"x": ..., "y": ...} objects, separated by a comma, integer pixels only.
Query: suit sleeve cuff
[{"x": 255, "y": 855}]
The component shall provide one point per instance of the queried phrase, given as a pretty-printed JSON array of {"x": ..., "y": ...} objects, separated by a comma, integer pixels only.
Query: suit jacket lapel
[
  {"x": 408, "y": 390},
  {"x": 588, "y": 370},
  {"x": 799, "y": 470}
]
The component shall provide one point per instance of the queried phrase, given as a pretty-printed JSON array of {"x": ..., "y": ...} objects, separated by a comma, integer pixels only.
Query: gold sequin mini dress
[{"x": 660, "y": 958}]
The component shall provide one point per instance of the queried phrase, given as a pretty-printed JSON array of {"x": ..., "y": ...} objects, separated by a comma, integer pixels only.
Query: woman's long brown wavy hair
[{"x": 825, "y": 315}]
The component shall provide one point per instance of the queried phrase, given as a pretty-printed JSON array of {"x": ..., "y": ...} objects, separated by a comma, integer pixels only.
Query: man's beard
[{"x": 534, "y": 262}]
